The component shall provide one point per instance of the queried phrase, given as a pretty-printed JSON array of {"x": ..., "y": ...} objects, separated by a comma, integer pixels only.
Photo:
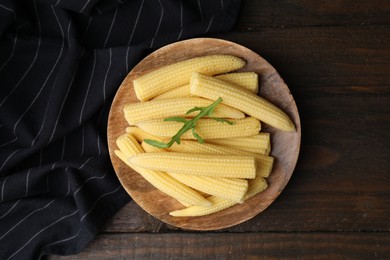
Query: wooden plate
[{"x": 285, "y": 146}]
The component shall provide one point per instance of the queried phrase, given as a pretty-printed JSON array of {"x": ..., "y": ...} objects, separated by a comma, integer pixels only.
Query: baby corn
[
  {"x": 179, "y": 92},
  {"x": 256, "y": 186},
  {"x": 247, "y": 80},
  {"x": 178, "y": 74},
  {"x": 264, "y": 163},
  {"x": 141, "y": 135},
  {"x": 141, "y": 111},
  {"x": 151, "y": 149},
  {"x": 129, "y": 146},
  {"x": 218, "y": 204},
  {"x": 228, "y": 188},
  {"x": 198, "y": 164},
  {"x": 259, "y": 143},
  {"x": 249, "y": 103},
  {"x": 206, "y": 128}
]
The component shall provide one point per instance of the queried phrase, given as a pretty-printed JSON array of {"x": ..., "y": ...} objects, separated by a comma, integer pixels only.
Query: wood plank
[
  {"x": 315, "y": 57},
  {"x": 259, "y": 14},
  {"x": 291, "y": 212},
  {"x": 238, "y": 246}
]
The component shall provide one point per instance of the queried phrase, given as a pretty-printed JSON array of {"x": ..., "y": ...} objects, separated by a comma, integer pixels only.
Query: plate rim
[{"x": 296, "y": 120}]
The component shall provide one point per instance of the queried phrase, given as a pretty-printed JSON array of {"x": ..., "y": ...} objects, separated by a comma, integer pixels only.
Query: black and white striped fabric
[{"x": 61, "y": 62}]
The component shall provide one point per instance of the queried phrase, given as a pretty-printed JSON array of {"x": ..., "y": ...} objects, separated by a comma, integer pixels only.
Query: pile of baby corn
[{"x": 232, "y": 163}]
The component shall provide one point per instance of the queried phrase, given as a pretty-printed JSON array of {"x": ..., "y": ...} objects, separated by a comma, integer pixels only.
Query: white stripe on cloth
[
  {"x": 49, "y": 75},
  {"x": 9, "y": 157},
  {"x": 181, "y": 20},
  {"x": 13, "y": 206},
  {"x": 13, "y": 48},
  {"x": 159, "y": 24},
  {"x": 200, "y": 10},
  {"x": 65, "y": 98},
  {"x": 33, "y": 62},
  {"x": 9, "y": 142},
  {"x": 98, "y": 199},
  {"x": 27, "y": 181},
  {"x": 68, "y": 33},
  {"x": 81, "y": 166},
  {"x": 109, "y": 31},
  {"x": 26, "y": 217},
  {"x": 63, "y": 240},
  {"x": 82, "y": 9},
  {"x": 8, "y": 9},
  {"x": 136, "y": 22},
  {"x": 2, "y": 189},
  {"x": 105, "y": 76},
  {"x": 209, "y": 26},
  {"x": 88, "y": 88},
  {"x": 82, "y": 141},
  {"x": 89, "y": 179},
  {"x": 42, "y": 230}
]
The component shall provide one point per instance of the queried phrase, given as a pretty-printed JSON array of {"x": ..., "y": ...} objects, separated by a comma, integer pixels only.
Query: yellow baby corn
[
  {"x": 198, "y": 164},
  {"x": 141, "y": 111},
  {"x": 264, "y": 163},
  {"x": 249, "y": 103},
  {"x": 247, "y": 80},
  {"x": 179, "y": 92},
  {"x": 259, "y": 143},
  {"x": 141, "y": 135},
  {"x": 130, "y": 147},
  {"x": 228, "y": 188},
  {"x": 218, "y": 204},
  {"x": 178, "y": 74},
  {"x": 151, "y": 149},
  {"x": 256, "y": 186},
  {"x": 206, "y": 128}
]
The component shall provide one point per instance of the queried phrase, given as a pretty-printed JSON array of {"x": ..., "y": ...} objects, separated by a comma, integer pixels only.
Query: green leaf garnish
[
  {"x": 200, "y": 139},
  {"x": 176, "y": 119},
  {"x": 156, "y": 143},
  {"x": 189, "y": 124},
  {"x": 193, "y": 110},
  {"x": 222, "y": 120}
]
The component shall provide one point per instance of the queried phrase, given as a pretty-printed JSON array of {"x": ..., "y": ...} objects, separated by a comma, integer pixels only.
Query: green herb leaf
[
  {"x": 189, "y": 124},
  {"x": 156, "y": 143},
  {"x": 222, "y": 120},
  {"x": 176, "y": 119},
  {"x": 194, "y": 110},
  {"x": 200, "y": 139}
]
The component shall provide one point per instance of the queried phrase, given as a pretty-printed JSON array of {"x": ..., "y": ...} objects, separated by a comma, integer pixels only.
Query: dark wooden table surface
[{"x": 335, "y": 57}]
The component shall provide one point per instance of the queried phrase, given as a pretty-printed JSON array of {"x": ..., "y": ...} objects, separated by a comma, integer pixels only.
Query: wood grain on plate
[{"x": 285, "y": 146}]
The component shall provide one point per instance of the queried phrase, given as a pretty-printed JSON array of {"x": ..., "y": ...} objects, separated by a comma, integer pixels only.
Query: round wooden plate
[{"x": 285, "y": 146}]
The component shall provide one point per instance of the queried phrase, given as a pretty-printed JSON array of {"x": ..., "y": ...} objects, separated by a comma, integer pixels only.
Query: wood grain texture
[
  {"x": 304, "y": 13},
  {"x": 291, "y": 212},
  {"x": 238, "y": 246},
  {"x": 285, "y": 145}
]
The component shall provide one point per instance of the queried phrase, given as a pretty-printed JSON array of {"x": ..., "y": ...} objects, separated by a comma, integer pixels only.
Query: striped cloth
[{"x": 61, "y": 62}]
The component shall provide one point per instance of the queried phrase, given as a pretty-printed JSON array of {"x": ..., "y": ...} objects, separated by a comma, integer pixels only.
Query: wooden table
[{"x": 335, "y": 57}]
